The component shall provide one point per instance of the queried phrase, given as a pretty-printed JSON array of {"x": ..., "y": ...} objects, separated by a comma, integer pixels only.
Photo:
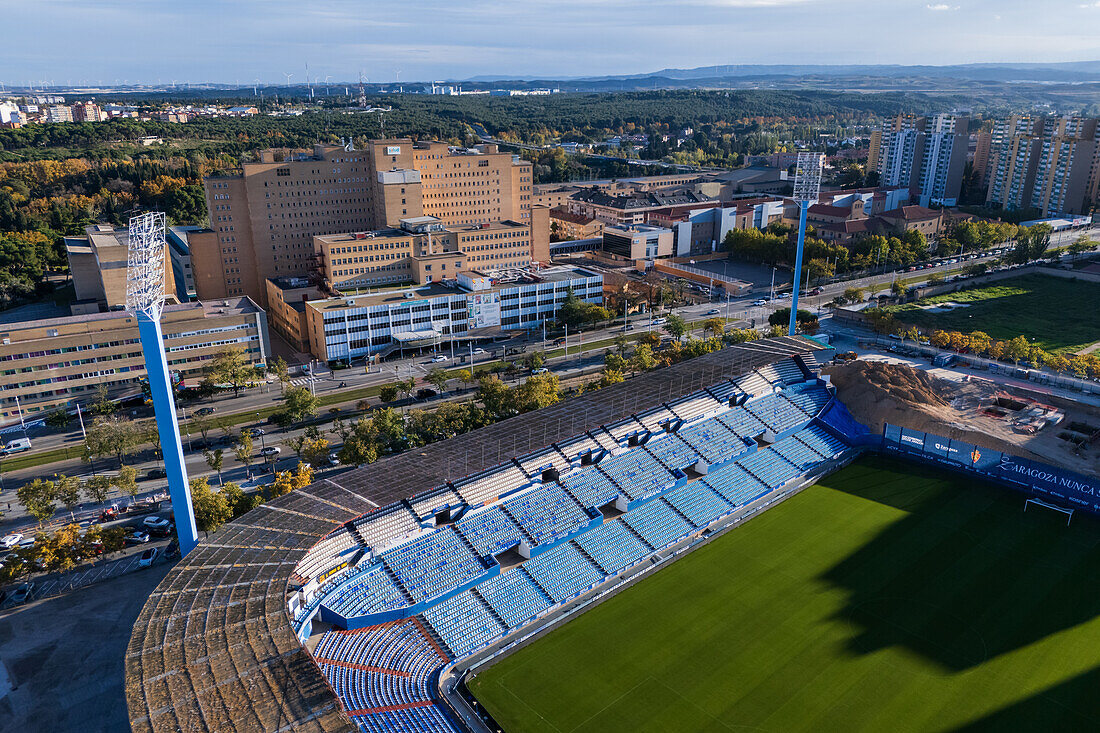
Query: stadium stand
[
  {"x": 654, "y": 419},
  {"x": 723, "y": 391},
  {"x": 742, "y": 422},
  {"x": 215, "y": 648},
  {"x": 485, "y": 488},
  {"x": 768, "y": 466},
  {"x": 427, "y": 504},
  {"x": 609, "y": 442},
  {"x": 671, "y": 451},
  {"x": 563, "y": 572},
  {"x": 818, "y": 440},
  {"x": 797, "y": 453},
  {"x": 657, "y": 523},
  {"x": 533, "y": 465},
  {"x": 712, "y": 440},
  {"x": 433, "y": 564},
  {"x": 490, "y": 530},
  {"x": 735, "y": 484},
  {"x": 589, "y": 487},
  {"x": 810, "y": 398},
  {"x": 637, "y": 473},
  {"x": 327, "y": 553},
  {"x": 574, "y": 450},
  {"x": 613, "y": 546},
  {"x": 464, "y": 623},
  {"x": 514, "y": 597},
  {"x": 753, "y": 384},
  {"x": 776, "y": 411},
  {"x": 699, "y": 503},
  {"x": 546, "y": 513},
  {"x": 383, "y": 526},
  {"x": 369, "y": 591},
  {"x": 694, "y": 406}
]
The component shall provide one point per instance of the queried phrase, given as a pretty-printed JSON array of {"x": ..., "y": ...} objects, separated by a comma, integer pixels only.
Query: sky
[{"x": 75, "y": 42}]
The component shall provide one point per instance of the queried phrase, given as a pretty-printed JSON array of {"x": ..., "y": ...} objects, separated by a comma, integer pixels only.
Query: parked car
[
  {"x": 148, "y": 557},
  {"x": 155, "y": 473},
  {"x": 162, "y": 531},
  {"x": 425, "y": 393},
  {"x": 27, "y": 542},
  {"x": 136, "y": 538},
  {"x": 206, "y": 411},
  {"x": 156, "y": 522},
  {"x": 11, "y": 540},
  {"x": 271, "y": 450},
  {"x": 815, "y": 291},
  {"x": 17, "y": 446},
  {"x": 333, "y": 459},
  {"x": 22, "y": 592}
]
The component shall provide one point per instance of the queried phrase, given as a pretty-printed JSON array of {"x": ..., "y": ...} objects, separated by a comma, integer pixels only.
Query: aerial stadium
[{"x": 706, "y": 545}]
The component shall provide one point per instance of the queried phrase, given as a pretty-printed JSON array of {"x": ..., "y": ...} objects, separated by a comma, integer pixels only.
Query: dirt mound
[
  {"x": 878, "y": 392},
  {"x": 877, "y": 382}
]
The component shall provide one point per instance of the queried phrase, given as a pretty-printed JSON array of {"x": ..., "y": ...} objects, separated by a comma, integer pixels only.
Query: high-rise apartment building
[
  {"x": 266, "y": 217},
  {"x": 927, "y": 155},
  {"x": 1045, "y": 163}
]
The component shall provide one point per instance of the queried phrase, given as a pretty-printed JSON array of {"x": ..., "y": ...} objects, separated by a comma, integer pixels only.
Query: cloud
[
  {"x": 1090, "y": 5},
  {"x": 942, "y": 7}
]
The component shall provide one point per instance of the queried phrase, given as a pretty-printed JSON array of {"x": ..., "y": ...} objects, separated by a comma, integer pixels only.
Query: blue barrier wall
[{"x": 1067, "y": 488}]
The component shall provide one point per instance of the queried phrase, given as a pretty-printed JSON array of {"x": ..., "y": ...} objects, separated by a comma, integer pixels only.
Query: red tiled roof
[{"x": 910, "y": 213}]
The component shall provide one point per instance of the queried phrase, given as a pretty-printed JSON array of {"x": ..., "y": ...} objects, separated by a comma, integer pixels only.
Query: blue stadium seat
[
  {"x": 546, "y": 513},
  {"x": 464, "y": 623},
  {"x": 820, "y": 441},
  {"x": 514, "y": 596},
  {"x": 735, "y": 485},
  {"x": 713, "y": 440},
  {"x": 776, "y": 412},
  {"x": 369, "y": 591},
  {"x": 769, "y": 466},
  {"x": 657, "y": 523},
  {"x": 638, "y": 473},
  {"x": 671, "y": 451},
  {"x": 563, "y": 572},
  {"x": 742, "y": 422},
  {"x": 591, "y": 487},
  {"x": 810, "y": 398},
  {"x": 612, "y": 546},
  {"x": 490, "y": 530},
  {"x": 698, "y": 502},
  {"x": 433, "y": 564}
]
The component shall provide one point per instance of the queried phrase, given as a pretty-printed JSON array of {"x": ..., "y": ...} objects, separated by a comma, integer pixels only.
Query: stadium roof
[{"x": 214, "y": 649}]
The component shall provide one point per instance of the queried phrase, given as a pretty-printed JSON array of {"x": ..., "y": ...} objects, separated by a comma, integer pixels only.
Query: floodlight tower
[
  {"x": 807, "y": 186},
  {"x": 145, "y": 299}
]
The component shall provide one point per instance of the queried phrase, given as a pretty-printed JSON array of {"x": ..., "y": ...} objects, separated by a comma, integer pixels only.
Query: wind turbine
[
  {"x": 287, "y": 75},
  {"x": 255, "y": 87}
]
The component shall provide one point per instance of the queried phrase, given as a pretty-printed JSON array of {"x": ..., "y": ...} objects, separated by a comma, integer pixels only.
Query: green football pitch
[{"x": 888, "y": 597}]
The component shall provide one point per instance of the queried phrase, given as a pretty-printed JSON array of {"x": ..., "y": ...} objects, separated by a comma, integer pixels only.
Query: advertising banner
[{"x": 1064, "y": 487}]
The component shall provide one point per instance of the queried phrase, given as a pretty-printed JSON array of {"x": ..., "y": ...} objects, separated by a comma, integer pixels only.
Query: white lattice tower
[{"x": 145, "y": 265}]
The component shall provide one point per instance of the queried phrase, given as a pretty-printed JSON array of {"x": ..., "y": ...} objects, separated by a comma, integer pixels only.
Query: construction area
[{"x": 974, "y": 409}]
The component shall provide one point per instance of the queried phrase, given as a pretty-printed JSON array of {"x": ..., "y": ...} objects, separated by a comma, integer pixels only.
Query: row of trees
[
  {"x": 42, "y": 497},
  {"x": 61, "y": 550}
]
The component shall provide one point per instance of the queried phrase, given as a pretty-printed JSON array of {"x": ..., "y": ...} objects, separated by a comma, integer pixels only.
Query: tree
[
  {"x": 239, "y": 502},
  {"x": 388, "y": 392},
  {"x": 234, "y": 368},
  {"x": 676, "y": 326},
  {"x": 438, "y": 378},
  {"x": 535, "y": 360},
  {"x": 215, "y": 459},
  {"x": 126, "y": 481},
  {"x": 296, "y": 444},
  {"x": 615, "y": 362},
  {"x": 714, "y": 326},
  {"x": 496, "y": 397},
  {"x": 642, "y": 359},
  {"x": 537, "y": 392},
  {"x": 299, "y": 403},
  {"x": 282, "y": 372},
  {"x": 39, "y": 498},
  {"x": 211, "y": 507},
  {"x": 243, "y": 450},
  {"x": 112, "y": 436},
  {"x": 97, "y": 489},
  {"x": 58, "y": 419},
  {"x": 315, "y": 451},
  {"x": 466, "y": 377},
  {"x": 287, "y": 481},
  {"x": 610, "y": 377},
  {"x": 1080, "y": 245},
  {"x": 405, "y": 386},
  {"x": 203, "y": 424},
  {"x": 68, "y": 491},
  {"x": 805, "y": 319}
]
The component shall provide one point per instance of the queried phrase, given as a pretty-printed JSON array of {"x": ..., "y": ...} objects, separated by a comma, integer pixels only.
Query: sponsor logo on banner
[
  {"x": 1036, "y": 473},
  {"x": 393, "y": 150}
]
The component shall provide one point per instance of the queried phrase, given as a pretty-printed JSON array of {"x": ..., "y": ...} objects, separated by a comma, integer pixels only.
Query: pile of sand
[{"x": 880, "y": 392}]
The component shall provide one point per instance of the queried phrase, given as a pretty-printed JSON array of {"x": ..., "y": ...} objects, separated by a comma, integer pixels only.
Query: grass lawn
[
  {"x": 1059, "y": 314},
  {"x": 889, "y": 597}
]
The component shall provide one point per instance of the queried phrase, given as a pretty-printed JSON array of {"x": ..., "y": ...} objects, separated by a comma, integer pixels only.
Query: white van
[{"x": 17, "y": 446}]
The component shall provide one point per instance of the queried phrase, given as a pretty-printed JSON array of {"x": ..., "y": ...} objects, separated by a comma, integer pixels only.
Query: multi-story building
[
  {"x": 56, "y": 363},
  {"x": 59, "y": 113},
  {"x": 638, "y": 241},
  {"x": 573, "y": 226},
  {"x": 475, "y": 305},
  {"x": 1049, "y": 164},
  {"x": 266, "y": 217},
  {"x": 87, "y": 112},
  {"x": 980, "y": 163},
  {"x": 97, "y": 262},
  {"x": 927, "y": 155},
  {"x": 631, "y": 208}
]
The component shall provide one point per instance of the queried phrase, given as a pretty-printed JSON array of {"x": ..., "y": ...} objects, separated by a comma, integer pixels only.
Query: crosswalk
[{"x": 301, "y": 381}]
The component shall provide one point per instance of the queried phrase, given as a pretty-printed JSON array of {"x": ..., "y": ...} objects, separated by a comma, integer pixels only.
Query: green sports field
[{"x": 889, "y": 597}]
